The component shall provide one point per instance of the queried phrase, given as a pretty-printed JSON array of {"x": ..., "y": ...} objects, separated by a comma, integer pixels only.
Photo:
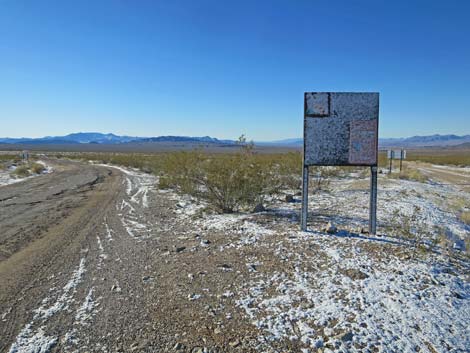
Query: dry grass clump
[
  {"x": 321, "y": 176},
  {"x": 21, "y": 172},
  {"x": 465, "y": 217},
  {"x": 37, "y": 168},
  {"x": 408, "y": 173}
]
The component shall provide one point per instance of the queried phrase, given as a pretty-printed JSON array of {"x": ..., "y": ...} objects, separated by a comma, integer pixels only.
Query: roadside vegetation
[
  {"x": 7, "y": 159},
  {"x": 244, "y": 180},
  {"x": 465, "y": 217},
  {"x": 408, "y": 173},
  {"x": 456, "y": 157},
  {"x": 27, "y": 169},
  {"x": 21, "y": 172}
]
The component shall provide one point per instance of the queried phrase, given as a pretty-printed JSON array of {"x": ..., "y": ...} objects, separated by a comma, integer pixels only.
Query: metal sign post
[
  {"x": 401, "y": 160},
  {"x": 340, "y": 129},
  {"x": 373, "y": 201},
  {"x": 303, "y": 217}
]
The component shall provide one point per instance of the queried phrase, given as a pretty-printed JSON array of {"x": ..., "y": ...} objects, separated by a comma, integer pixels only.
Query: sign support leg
[
  {"x": 390, "y": 169},
  {"x": 401, "y": 160},
  {"x": 303, "y": 217},
  {"x": 373, "y": 201}
]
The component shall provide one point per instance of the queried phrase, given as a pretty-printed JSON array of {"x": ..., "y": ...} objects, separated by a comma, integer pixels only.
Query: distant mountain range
[
  {"x": 99, "y": 138},
  {"x": 425, "y": 141},
  {"x": 414, "y": 141}
]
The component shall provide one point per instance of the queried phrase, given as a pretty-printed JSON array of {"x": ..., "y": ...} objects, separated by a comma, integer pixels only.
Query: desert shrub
[
  {"x": 412, "y": 228},
  {"x": 467, "y": 246},
  {"x": 182, "y": 171},
  {"x": 409, "y": 174},
  {"x": 289, "y": 169},
  {"x": 7, "y": 158},
  {"x": 321, "y": 176},
  {"x": 227, "y": 182},
  {"x": 446, "y": 245},
  {"x": 37, "y": 168},
  {"x": 465, "y": 217},
  {"x": 21, "y": 172},
  {"x": 383, "y": 161}
]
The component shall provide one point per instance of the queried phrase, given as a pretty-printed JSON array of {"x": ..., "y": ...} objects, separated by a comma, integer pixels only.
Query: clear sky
[{"x": 223, "y": 68}]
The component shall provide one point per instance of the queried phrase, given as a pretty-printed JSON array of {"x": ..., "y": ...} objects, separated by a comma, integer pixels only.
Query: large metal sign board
[{"x": 341, "y": 128}]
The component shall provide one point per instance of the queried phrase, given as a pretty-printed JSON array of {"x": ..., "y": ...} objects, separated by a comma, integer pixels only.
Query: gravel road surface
[{"x": 88, "y": 262}]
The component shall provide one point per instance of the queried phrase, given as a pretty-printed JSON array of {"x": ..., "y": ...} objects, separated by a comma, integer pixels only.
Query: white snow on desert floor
[{"x": 351, "y": 291}]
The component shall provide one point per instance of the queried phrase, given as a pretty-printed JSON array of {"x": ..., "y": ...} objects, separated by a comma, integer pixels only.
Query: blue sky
[{"x": 221, "y": 68}]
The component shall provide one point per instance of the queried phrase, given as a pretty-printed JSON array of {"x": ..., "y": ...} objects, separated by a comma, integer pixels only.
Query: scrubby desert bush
[
  {"x": 21, "y": 172},
  {"x": 411, "y": 227},
  {"x": 289, "y": 169},
  {"x": 321, "y": 176},
  {"x": 408, "y": 173},
  {"x": 465, "y": 217},
  {"x": 228, "y": 182},
  {"x": 37, "y": 168}
]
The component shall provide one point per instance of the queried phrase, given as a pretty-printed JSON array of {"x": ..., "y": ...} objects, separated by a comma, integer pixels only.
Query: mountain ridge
[{"x": 110, "y": 138}]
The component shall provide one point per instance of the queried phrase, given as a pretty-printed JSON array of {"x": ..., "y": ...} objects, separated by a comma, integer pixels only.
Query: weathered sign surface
[{"x": 341, "y": 128}]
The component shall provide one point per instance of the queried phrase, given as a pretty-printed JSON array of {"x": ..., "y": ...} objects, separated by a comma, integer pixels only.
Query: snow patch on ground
[
  {"x": 355, "y": 303},
  {"x": 86, "y": 310},
  {"x": 33, "y": 342},
  {"x": 30, "y": 340},
  {"x": 138, "y": 184},
  {"x": 66, "y": 296},
  {"x": 103, "y": 256},
  {"x": 109, "y": 231},
  {"x": 138, "y": 187}
]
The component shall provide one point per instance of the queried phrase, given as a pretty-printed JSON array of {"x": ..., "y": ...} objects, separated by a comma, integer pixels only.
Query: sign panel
[
  {"x": 340, "y": 128},
  {"x": 363, "y": 142}
]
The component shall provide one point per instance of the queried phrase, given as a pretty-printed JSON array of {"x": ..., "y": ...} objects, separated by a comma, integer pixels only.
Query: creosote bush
[{"x": 228, "y": 182}]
